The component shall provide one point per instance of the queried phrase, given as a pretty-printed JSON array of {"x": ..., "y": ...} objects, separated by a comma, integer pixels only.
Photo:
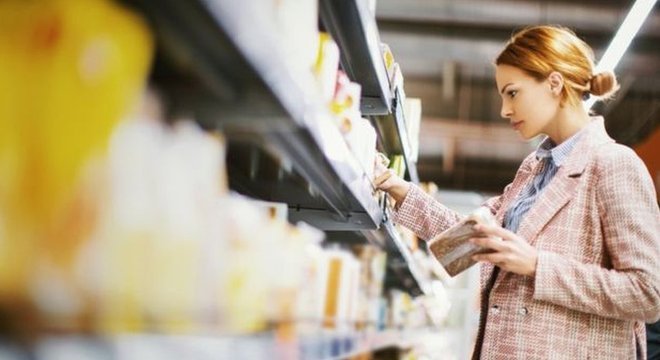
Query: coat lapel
[
  {"x": 557, "y": 194},
  {"x": 562, "y": 188},
  {"x": 564, "y": 185}
]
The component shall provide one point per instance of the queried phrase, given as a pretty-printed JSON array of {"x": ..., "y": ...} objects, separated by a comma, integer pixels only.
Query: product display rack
[
  {"x": 394, "y": 136},
  {"x": 218, "y": 63},
  {"x": 354, "y": 28}
]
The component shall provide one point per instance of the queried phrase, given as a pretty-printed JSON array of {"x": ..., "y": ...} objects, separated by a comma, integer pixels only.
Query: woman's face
[{"x": 529, "y": 104}]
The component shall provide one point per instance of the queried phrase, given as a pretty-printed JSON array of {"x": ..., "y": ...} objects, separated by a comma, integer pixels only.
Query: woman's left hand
[{"x": 512, "y": 253}]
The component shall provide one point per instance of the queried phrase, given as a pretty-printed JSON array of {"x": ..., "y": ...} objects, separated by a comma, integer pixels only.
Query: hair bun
[{"x": 604, "y": 84}]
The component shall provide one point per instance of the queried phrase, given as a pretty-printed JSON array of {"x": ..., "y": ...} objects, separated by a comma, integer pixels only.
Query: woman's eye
[{"x": 512, "y": 93}]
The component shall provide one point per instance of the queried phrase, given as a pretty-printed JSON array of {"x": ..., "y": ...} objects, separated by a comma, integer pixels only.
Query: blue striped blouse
[{"x": 552, "y": 158}]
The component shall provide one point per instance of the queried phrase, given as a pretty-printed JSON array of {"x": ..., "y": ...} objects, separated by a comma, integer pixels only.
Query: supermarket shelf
[
  {"x": 226, "y": 69},
  {"x": 265, "y": 346},
  {"x": 354, "y": 29},
  {"x": 394, "y": 135},
  {"x": 414, "y": 278},
  {"x": 403, "y": 270}
]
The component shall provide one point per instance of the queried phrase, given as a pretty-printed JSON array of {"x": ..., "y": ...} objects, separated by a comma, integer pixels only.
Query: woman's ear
[{"x": 556, "y": 81}]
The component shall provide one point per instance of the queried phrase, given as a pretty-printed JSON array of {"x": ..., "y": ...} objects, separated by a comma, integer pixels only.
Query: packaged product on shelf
[
  {"x": 398, "y": 165},
  {"x": 345, "y": 103},
  {"x": 343, "y": 273},
  {"x": 270, "y": 275},
  {"x": 291, "y": 258},
  {"x": 311, "y": 297},
  {"x": 400, "y": 306},
  {"x": 326, "y": 66},
  {"x": 372, "y": 273},
  {"x": 382, "y": 315},
  {"x": 388, "y": 60},
  {"x": 243, "y": 294},
  {"x": 362, "y": 142},
  {"x": 65, "y": 81},
  {"x": 412, "y": 108},
  {"x": 297, "y": 22},
  {"x": 438, "y": 305},
  {"x": 164, "y": 184}
]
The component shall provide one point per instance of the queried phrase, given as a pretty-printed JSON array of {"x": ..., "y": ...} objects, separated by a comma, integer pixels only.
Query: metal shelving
[
  {"x": 393, "y": 134},
  {"x": 225, "y": 69},
  {"x": 229, "y": 74},
  {"x": 353, "y": 27}
]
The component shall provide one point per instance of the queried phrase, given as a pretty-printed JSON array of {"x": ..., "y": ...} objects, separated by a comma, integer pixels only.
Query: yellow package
[{"x": 69, "y": 71}]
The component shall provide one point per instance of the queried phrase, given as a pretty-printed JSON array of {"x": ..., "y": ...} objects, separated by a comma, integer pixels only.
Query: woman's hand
[
  {"x": 388, "y": 181},
  {"x": 512, "y": 253}
]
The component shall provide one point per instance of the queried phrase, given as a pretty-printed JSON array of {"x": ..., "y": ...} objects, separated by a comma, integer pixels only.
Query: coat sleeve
[
  {"x": 427, "y": 217},
  {"x": 424, "y": 215},
  {"x": 630, "y": 222}
]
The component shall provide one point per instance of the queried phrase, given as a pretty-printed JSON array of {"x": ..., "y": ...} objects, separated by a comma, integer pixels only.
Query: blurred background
[{"x": 446, "y": 50}]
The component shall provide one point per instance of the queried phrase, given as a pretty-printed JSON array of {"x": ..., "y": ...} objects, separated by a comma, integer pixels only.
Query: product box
[{"x": 452, "y": 247}]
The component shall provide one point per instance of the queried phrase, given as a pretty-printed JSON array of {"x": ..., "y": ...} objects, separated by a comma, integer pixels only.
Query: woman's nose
[{"x": 506, "y": 111}]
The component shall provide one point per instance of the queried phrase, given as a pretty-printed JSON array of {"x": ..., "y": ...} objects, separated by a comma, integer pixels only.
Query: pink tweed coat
[{"x": 596, "y": 227}]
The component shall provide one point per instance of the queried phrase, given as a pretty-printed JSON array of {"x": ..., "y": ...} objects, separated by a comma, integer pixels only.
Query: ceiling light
[{"x": 631, "y": 24}]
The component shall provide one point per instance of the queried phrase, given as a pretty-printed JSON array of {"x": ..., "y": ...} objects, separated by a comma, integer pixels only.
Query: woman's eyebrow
[{"x": 504, "y": 88}]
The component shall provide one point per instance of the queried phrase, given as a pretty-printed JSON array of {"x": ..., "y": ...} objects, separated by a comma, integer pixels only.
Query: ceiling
[{"x": 446, "y": 48}]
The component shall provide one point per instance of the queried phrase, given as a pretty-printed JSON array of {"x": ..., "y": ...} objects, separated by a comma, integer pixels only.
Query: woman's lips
[{"x": 516, "y": 124}]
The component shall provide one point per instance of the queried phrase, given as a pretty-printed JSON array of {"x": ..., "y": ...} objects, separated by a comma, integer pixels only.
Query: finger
[
  {"x": 493, "y": 258},
  {"x": 495, "y": 231},
  {"x": 490, "y": 243},
  {"x": 380, "y": 180}
]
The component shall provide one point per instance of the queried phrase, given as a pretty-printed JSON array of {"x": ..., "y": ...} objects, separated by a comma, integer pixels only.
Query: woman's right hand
[{"x": 388, "y": 181}]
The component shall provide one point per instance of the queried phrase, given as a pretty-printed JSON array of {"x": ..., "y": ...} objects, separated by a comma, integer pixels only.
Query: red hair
[{"x": 540, "y": 50}]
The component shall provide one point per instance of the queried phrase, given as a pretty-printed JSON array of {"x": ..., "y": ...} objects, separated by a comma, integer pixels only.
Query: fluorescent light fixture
[{"x": 631, "y": 24}]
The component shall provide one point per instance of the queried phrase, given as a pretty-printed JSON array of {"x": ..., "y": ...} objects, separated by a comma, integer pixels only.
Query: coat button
[
  {"x": 495, "y": 310},
  {"x": 523, "y": 311}
]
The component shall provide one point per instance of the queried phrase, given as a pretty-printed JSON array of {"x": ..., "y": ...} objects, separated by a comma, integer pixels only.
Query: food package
[
  {"x": 327, "y": 66},
  {"x": 362, "y": 142},
  {"x": 372, "y": 273},
  {"x": 311, "y": 297},
  {"x": 412, "y": 109},
  {"x": 388, "y": 60},
  {"x": 452, "y": 247},
  {"x": 398, "y": 164},
  {"x": 343, "y": 272},
  {"x": 158, "y": 225},
  {"x": 69, "y": 70},
  {"x": 400, "y": 306},
  {"x": 345, "y": 105},
  {"x": 297, "y": 22}
]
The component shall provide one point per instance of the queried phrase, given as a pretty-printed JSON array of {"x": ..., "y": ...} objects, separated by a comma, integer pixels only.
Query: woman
[{"x": 578, "y": 272}]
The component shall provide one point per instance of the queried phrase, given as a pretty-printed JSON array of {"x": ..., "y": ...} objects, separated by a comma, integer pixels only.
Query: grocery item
[
  {"x": 412, "y": 109},
  {"x": 362, "y": 142},
  {"x": 326, "y": 66},
  {"x": 297, "y": 24},
  {"x": 452, "y": 248},
  {"x": 343, "y": 272},
  {"x": 345, "y": 105},
  {"x": 69, "y": 71},
  {"x": 398, "y": 164}
]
